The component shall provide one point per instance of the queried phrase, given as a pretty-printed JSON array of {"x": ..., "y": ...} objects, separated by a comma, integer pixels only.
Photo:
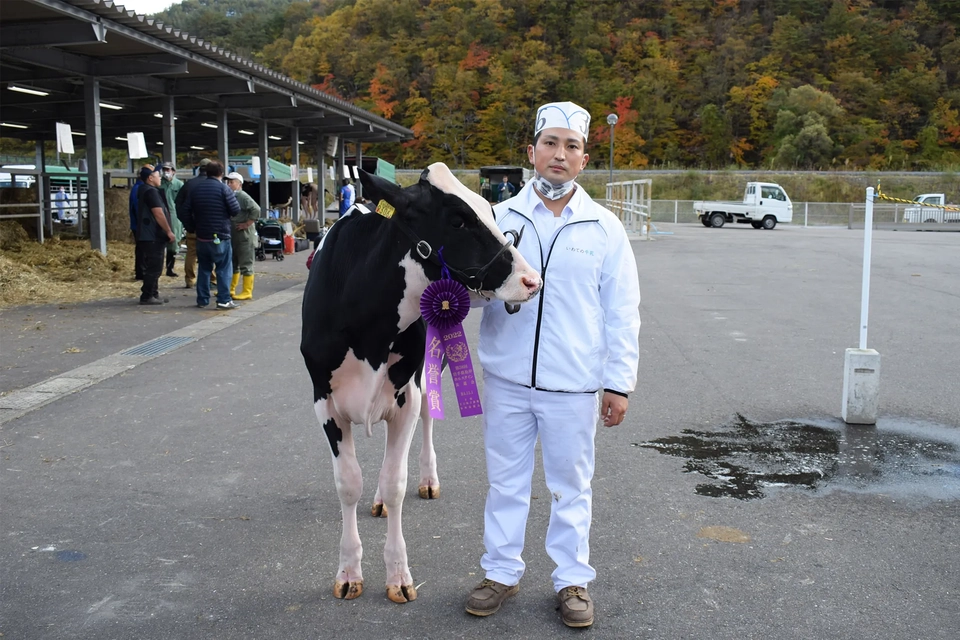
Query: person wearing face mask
[
  {"x": 153, "y": 233},
  {"x": 171, "y": 185},
  {"x": 553, "y": 367}
]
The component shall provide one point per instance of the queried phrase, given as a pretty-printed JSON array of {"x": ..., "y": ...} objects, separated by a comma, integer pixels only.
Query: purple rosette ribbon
[{"x": 444, "y": 305}]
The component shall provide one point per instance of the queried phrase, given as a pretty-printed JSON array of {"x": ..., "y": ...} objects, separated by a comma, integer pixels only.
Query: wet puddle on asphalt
[{"x": 747, "y": 460}]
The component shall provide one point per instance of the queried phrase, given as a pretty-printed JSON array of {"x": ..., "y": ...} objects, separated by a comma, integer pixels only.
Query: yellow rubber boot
[
  {"x": 247, "y": 293},
  {"x": 233, "y": 284}
]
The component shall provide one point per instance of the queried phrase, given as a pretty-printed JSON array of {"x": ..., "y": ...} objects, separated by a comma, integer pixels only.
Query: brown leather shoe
[
  {"x": 576, "y": 607},
  {"x": 487, "y": 597}
]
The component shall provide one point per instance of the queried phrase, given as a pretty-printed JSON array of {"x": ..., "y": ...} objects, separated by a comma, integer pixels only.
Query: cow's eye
[{"x": 457, "y": 222}]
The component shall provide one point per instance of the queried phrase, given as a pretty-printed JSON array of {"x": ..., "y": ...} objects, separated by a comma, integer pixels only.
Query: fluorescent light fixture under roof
[
  {"x": 197, "y": 148},
  {"x": 300, "y": 142},
  {"x": 160, "y": 143},
  {"x": 33, "y": 92},
  {"x": 246, "y": 133},
  {"x": 160, "y": 115},
  {"x": 121, "y": 138},
  {"x": 208, "y": 125},
  {"x": 13, "y": 126},
  {"x": 78, "y": 133},
  {"x": 107, "y": 105},
  {"x": 274, "y": 137}
]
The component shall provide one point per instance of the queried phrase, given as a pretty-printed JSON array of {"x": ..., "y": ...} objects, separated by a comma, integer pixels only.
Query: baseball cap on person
[
  {"x": 233, "y": 175},
  {"x": 147, "y": 171},
  {"x": 168, "y": 165},
  {"x": 205, "y": 162}
]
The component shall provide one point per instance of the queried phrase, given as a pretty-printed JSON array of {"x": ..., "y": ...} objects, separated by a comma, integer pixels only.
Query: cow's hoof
[
  {"x": 347, "y": 590},
  {"x": 402, "y": 593},
  {"x": 378, "y": 510},
  {"x": 430, "y": 493}
]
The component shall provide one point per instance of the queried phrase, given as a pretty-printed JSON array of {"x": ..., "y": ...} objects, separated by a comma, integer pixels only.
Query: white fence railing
[
  {"x": 631, "y": 202},
  {"x": 846, "y": 214}
]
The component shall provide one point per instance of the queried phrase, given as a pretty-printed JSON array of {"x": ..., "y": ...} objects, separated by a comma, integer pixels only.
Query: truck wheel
[
  {"x": 769, "y": 222},
  {"x": 705, "y": 221},
  {"x": 717, "y": 220},
  {"x": 929, "y": 220},
  {"x": 756, "y": 225}
]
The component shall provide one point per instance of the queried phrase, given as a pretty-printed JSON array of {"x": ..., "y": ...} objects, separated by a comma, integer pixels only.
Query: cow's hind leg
[
  {"x": 346, "y": 472},
  {"x": 393, "y": 486},
  {"x": 429, "y": 481}
]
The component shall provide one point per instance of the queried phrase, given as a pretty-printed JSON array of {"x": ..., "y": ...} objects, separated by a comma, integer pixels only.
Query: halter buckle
[{"x": 424, "y": 249}]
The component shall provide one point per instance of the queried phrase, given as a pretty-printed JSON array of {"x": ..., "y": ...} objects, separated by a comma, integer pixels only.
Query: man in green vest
[
  {"x": 244, "y": 238},
  {"x": 171, "y": 186}
]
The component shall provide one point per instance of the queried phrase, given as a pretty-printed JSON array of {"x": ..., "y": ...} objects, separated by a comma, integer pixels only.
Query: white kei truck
[
  {"x": 764, "y": 205},
  {"x": 931, "y": 207}
]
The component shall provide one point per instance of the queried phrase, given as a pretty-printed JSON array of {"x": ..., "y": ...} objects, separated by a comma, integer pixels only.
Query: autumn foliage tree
[{"x": 706, "y": 83}]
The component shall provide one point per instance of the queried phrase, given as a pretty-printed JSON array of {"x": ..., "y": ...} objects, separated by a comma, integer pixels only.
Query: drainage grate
[{"x": 158, "y": 347}]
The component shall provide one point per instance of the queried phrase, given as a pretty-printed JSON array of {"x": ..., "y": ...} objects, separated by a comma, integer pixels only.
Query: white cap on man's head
[
  {"x": 565, "y": 115},
  {"x": 233, "y": 175}
]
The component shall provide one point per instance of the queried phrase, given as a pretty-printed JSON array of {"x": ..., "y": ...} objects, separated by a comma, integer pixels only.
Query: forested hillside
[{"x": 696, "y": 83}]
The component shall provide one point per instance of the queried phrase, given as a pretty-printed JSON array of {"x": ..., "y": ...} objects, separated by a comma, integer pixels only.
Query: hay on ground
[{"x": 63, "y": 271}]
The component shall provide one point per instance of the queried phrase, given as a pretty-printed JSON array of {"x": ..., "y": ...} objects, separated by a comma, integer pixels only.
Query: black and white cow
[{"x": 363, "y": 336}]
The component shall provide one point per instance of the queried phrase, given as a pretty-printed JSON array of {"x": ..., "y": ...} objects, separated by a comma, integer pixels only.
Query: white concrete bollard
[{"x": 861, "y": 386}]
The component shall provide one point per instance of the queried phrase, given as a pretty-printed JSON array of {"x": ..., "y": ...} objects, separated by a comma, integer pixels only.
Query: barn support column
[
  {"x": 223, "y": 137},
  {"x": 359, "y": 156},
  {"x": 322, "y": 177},
  {"x": 91, "y": 103},
  {"x": 263, "y": 150},
  {"x": 43, "y": 190},
  {"x": 169, "y": 131},
  {"x": 295, "y": 161}
]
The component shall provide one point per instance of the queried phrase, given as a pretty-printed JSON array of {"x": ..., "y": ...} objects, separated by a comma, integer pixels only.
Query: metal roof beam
[
  {"x": 208, "y": 86},
  {"x": 51, "y": 33},
  {"x": 257, "y": 101},
  {"x": 11, "y": 74},
  {"x": 99, "y": 67}
]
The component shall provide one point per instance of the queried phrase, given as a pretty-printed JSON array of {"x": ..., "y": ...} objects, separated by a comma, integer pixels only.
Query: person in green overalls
[
  {"x": 171, "y": 186},
  {"x": 244, "y": 238}
]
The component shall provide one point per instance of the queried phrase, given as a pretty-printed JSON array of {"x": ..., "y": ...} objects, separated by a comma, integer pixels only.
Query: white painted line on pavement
[{"x": 23, "y": 401}]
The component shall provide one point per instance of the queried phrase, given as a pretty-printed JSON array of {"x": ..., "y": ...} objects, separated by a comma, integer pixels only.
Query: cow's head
[{"x": 440, "y": 216}]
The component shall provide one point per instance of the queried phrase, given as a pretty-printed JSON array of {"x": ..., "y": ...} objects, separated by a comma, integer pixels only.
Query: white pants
[{"x": 513, "y": 417}]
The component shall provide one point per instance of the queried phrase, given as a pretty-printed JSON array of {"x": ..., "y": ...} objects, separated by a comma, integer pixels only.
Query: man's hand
[
  {"x": 244, "y": 225},
  {"x": 612, "y": 409},
  {"x": 171, "y": 237}
]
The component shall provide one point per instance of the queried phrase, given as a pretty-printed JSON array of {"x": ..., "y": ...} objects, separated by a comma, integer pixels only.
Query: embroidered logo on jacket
[{"x": 588, "y": 252}]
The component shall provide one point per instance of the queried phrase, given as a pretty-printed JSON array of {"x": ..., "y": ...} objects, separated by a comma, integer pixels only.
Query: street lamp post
[{"x": 612, "y": 121}]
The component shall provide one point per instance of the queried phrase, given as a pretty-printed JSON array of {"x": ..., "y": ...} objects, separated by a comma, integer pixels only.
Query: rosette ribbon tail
[{"x": 444, "y": 305}]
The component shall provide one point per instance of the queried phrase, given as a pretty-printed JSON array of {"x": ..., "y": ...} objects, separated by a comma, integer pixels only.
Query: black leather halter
[{"x": 471, "y": 277}]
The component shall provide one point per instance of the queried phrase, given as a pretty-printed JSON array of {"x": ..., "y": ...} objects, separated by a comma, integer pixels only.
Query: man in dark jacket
[
  {"x": 206, "y": 212},
  {"x": 190, "y": 260},
  {"x": 133, "y": 206},
  {"x": 153, "y": 233}
]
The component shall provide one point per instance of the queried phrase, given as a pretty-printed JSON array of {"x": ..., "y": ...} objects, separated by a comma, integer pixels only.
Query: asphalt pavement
[{"x": 189, "y": 493}]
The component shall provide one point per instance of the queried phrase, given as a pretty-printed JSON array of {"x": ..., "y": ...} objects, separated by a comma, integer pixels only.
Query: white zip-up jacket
[{"x": 581, "y": 334}]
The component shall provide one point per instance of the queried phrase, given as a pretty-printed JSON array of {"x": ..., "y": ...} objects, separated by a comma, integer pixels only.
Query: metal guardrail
[
  {"x": 630, "y": 201},
  {"x": 38, "y": 204},
  {"x": 806, "y": 214}
]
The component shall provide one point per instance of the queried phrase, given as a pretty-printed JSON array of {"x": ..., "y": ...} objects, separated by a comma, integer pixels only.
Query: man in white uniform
[{"x": 549, "y": 367}]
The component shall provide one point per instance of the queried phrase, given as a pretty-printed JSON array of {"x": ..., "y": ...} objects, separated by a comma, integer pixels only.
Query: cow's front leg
[
  {"x": 429, "y": 481},
  {"x": 429, "y": 487},
  {"x": 346, "y": 472},
  {"x": 393, "y": 486}
]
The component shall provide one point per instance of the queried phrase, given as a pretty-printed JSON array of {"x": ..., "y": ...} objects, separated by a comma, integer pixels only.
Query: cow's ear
[{"x": 376, "y": 189}]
